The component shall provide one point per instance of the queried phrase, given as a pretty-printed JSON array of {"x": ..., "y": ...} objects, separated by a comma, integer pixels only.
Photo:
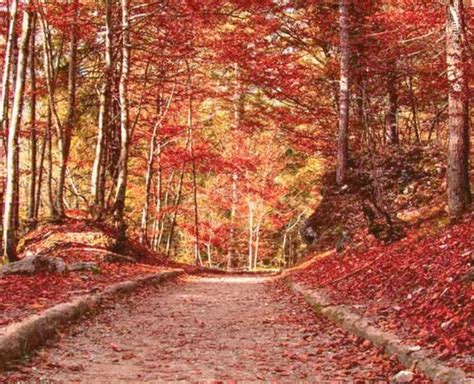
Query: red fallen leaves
[
  {"x": 24, "y": 295},
  {"x": 115, "y": 347},
  {"x": 74, "y": 241},
  {"x": 414, "y": 287}
]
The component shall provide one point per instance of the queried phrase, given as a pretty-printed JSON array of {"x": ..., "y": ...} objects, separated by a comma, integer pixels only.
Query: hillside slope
[{"x": 419, "y": 287}]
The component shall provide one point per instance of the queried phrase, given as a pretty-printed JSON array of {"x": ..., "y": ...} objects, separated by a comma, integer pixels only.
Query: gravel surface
[{"x": 207, "y": 328}]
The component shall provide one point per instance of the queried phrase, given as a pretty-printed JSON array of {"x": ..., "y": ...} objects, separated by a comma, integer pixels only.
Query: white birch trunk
[
  {"x": 12, "y": 176},
  {"x": 344, "y": 96}
]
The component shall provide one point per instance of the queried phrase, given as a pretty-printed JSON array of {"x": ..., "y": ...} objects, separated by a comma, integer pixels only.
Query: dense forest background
[{"x": 212, "y": 130}]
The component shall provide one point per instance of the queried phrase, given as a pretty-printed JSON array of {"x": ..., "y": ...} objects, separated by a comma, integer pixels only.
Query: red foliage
[{"x": 418, "y": 286}]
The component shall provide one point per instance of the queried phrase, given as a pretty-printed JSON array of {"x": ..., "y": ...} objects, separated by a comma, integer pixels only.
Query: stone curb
[
  {"x": 18, "y": 339},
  {"x": 408, "y": 355}
]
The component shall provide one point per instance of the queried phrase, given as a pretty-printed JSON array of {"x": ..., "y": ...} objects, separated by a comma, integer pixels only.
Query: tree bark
[
  {"x": 4, "y": 96},
  {"x": 70, "y": 119},
  {"x": 148, "y": 179},
  {"x": 52, "y": 114},
  {"x": 121, "y": 191},
  {"x": 98, "y": 174},
  {"x": 49, "y": 169},
  {"x": 40, "y": 176},
  {"x": 176, "y": 208},
  {"x": 459, "y": 190},
  {"x": 7, "y": 65},
  {"x": 257, "y": 242},
  {"x": 197, "y": 253},
  {"x": 149, "y": 172},
  {"x": 33, "y": 133},
  {"x": 238, "y": 108},
  {"x": 392, "y": 108},
  {"x": 9, "y": 220},
  {"x": 414, "y": 111},
  {"x": 344, "y": 95},
  {"x": 250, "y": 241}
]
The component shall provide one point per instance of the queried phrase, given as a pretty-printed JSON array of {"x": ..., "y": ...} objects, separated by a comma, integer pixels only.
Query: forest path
[{"x": 207, "y": 328}]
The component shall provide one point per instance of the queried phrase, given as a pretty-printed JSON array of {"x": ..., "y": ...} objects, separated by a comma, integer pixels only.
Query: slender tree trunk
[
  {"x": 9, "y": 221},
  {"x": 65, "y": 137},
  {"x": 33, "y": 133},
  {"x": 392, "y": 108},
  {"x": 344, "y": 95},
  {"x": 361, "y": 122},
  {"x": 40, "y": 176},
  {"x": 157, "y": 232},
  {"x": 233, "y": 211},
  {"x": 459, "y": 189},
  {"x": 209, "y": 254},
  {"x": 11, "y": 37},
  {"x": 149, "y": 172},
  {"x": 4, "y": 96},
  {"x": 121, "y": 191},
  {"x": 149, "y": 176},
  {"x": 250, "y": 245},
  {"x": 197, "y": 253},
  {"x": 238, "y": 108},
  {"x": 53, "y": 116},
  {"x": 98, "y": 174},
  {"x": 257, "y": 243},
  {"x": 49, "y": 169},
  {"x": 161, "y": 221},
  {"x": 175, "y": 213},
  {"x": 414, "y": 111}
]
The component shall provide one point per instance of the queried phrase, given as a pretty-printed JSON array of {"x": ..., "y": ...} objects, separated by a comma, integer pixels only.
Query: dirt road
[{"x": 211, "y": 328}]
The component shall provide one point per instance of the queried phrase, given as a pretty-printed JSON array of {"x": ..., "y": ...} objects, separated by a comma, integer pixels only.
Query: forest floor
[
  {"x": 419, "y": 288},
  {"x": 207, "y": 328},
  {"x": 74, "y": 241}
]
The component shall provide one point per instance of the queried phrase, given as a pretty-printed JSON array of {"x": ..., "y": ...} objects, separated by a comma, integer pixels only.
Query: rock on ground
[
  {"x": 403, "y": 377},
  {"x": 32, "y": 264}
]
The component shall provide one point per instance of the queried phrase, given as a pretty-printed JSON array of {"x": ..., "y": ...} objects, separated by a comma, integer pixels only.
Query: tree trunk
[
  {"x": 197, "y": 253},
  {"x": 392, "y": 108},
  {"x": 209, "y": 254},
  {"x": 161, "y": 221},
  {"x": 148, "y": 180},
  {"x": 49, "y": 169},
  {"x": 4, "y": 96},
  {"x": 414, "y": 111},
  {"x": 33, "y": 133},
  {"x": 238, "y": 108},
  {"x": 459, "y": 190},
  {"x": 257, "y": 242},
  {"x": 52, "y": 112},
  {"x": 70, "y": 119},
  {"x": 121, "y": 191},
  {"x": 98, "y": 174},
  {"x": 250, "y": 245},
  {"x": 9, "y": 220},
  {"x": 149, "y": 172},
  {"x": 157, "y": 223},
  {"x": 40, "y": 176},
  {"x": 175, "y": 213},
  {"x": 344, "y": 95},
  {"x": 233, "y": 211},
  {"x": 7, "y": 66}
]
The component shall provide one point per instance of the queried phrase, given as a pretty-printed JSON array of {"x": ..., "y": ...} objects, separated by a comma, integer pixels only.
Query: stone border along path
[
  {"x": 355, "y": 324},
  {"x": 18, "y": 339}
]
